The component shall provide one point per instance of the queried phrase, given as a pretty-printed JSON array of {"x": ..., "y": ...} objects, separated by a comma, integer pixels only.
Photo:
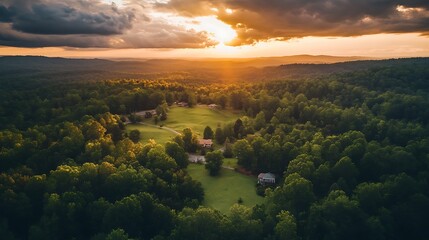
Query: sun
[{"x": 218, "y": 30}]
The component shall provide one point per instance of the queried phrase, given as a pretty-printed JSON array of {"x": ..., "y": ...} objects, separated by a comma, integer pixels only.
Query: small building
[
  {"x": 205, "y": 143},
  {"x": 150, "y": 113},
  {"x": 266, "y": 178},
  {"x": 182, "y": 104},
  {"x": 213, "y": 106}
]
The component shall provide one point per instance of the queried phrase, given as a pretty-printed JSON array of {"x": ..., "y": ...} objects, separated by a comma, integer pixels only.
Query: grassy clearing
[
  {"x": 222, "y": 191},
  {"x": 160, "y": 135},
  {"x": 179, "y": 118},
  {"x": 230, "y": 162},
  {"x": 196, "y": 118}
]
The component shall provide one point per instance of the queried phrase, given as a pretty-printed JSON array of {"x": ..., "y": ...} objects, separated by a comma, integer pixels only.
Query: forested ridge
[{"x": 351, "y": 150}]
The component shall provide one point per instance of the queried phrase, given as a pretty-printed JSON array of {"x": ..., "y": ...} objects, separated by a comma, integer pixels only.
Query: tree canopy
[{"x": 350, "y": 149}]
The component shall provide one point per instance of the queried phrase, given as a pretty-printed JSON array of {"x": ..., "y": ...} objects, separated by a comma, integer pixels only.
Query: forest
[{"x": 349, "y": 144}]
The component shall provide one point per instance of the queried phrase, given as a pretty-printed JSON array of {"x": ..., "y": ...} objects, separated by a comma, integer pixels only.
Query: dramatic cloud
[
  {"x": 256, "y": 20},
  {"x": 5, "y": 14},
  {"x": 171, "y": 23},
  {"x": 92, "y": 23},
  {"x": 67, "y": 17}
]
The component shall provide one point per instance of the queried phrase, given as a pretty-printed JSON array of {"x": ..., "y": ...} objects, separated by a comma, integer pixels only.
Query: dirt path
[
  {"x": 226, "y": 167},
  {"x": 156, "y": 126}
]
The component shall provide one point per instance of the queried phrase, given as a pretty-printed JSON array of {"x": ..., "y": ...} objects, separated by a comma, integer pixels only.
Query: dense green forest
[{"x": 350, "y": 147}]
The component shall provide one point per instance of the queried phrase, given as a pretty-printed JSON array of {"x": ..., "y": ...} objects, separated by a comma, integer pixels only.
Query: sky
[{"x": 219, "y": 29}]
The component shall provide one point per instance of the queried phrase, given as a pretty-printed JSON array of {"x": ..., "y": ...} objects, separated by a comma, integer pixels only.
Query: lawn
[
  {"x": 230, "y": 162},
  {"x": 196, "y": 118},
  {"x": 223, "y": 191},
  {"x": 160, "y": 135}
]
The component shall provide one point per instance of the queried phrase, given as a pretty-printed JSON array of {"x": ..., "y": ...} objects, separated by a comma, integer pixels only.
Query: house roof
[
  {"x": 205, "y": 141},
  {"x": 266, "y": 175}
]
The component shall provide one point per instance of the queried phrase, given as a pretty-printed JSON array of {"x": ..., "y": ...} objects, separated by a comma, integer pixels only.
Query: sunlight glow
[
  {"x": 377, "y": 46},
  {"x": 227, "y": 51},
  {"x": 220, "y": 31},
  {"x": 403, "y": 9}
]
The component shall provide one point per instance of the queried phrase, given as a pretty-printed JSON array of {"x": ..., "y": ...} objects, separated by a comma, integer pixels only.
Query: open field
[
  {"x": 160, "y": 135},
  {"x": 196, "y": 118},
  {"x": 222, "y": 191},
  {"x": 179, "y": 118},
  {"x": 230, "y": 162}
]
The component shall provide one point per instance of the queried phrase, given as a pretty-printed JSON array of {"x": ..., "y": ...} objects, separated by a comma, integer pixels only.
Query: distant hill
[
  {"x": 246, "y": 62},
  {"x": 296, "y": 59},
  {"x": 159, "y": 65},
  {"x": 300, "y": 70},
  {"x": 38, "y": 62},
  {"x": 252, "y": 69}
]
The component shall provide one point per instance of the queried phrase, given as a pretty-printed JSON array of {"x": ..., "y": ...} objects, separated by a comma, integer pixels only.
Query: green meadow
[
  {"x": 222, "y": 191},
  {"x": 196, "y": 118},
  {"x": 160, "y": 135},
  {"x": 179, "y": 118}
]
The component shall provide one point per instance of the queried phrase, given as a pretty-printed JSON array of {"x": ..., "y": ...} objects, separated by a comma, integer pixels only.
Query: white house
[{"x": 266, "y": 178}]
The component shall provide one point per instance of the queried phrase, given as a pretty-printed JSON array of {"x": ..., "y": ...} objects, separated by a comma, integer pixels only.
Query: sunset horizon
[
  {"x": 418, "y": 48},
  {"x": 206, "y": 29}
]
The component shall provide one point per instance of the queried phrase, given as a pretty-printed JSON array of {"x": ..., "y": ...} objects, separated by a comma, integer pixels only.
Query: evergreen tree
[
  {"x": 208, "y": 133},
  {"x": 219, "y": 136},
  {"x": 228, "y": 153},
  {"x": 238, "y": 128}
]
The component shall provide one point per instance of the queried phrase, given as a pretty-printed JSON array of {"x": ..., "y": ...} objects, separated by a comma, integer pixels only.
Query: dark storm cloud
[
  {"x": 10, "y": 37},
  {"x": 68, "y": 17},
  {"x": 256, "y": 20},
  {"x": 91, "y": 24},
  {"x": 157, "y": 35},
  {"x": 5, "y": 14}
]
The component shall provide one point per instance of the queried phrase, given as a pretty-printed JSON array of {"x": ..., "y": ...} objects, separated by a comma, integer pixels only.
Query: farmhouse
[
  {"x": 205, "y": 143},
  {"x": 182, "y": 104},
  {"x": 266, "y": 178}
]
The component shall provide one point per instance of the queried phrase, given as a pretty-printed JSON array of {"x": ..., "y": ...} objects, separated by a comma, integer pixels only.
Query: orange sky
[
  {"x": 211, "y": 29},
  {"x": 380, "y": 45}
]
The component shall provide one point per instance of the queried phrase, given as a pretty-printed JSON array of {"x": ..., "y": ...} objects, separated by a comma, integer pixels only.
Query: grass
[
  {"x": 160, "y": 135},
  {"x": 196, "y": 118},
  {"x": 179, "y": 118},
  {"x": 222, "y": 191},
  {"x": 230, "y": 162}
]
